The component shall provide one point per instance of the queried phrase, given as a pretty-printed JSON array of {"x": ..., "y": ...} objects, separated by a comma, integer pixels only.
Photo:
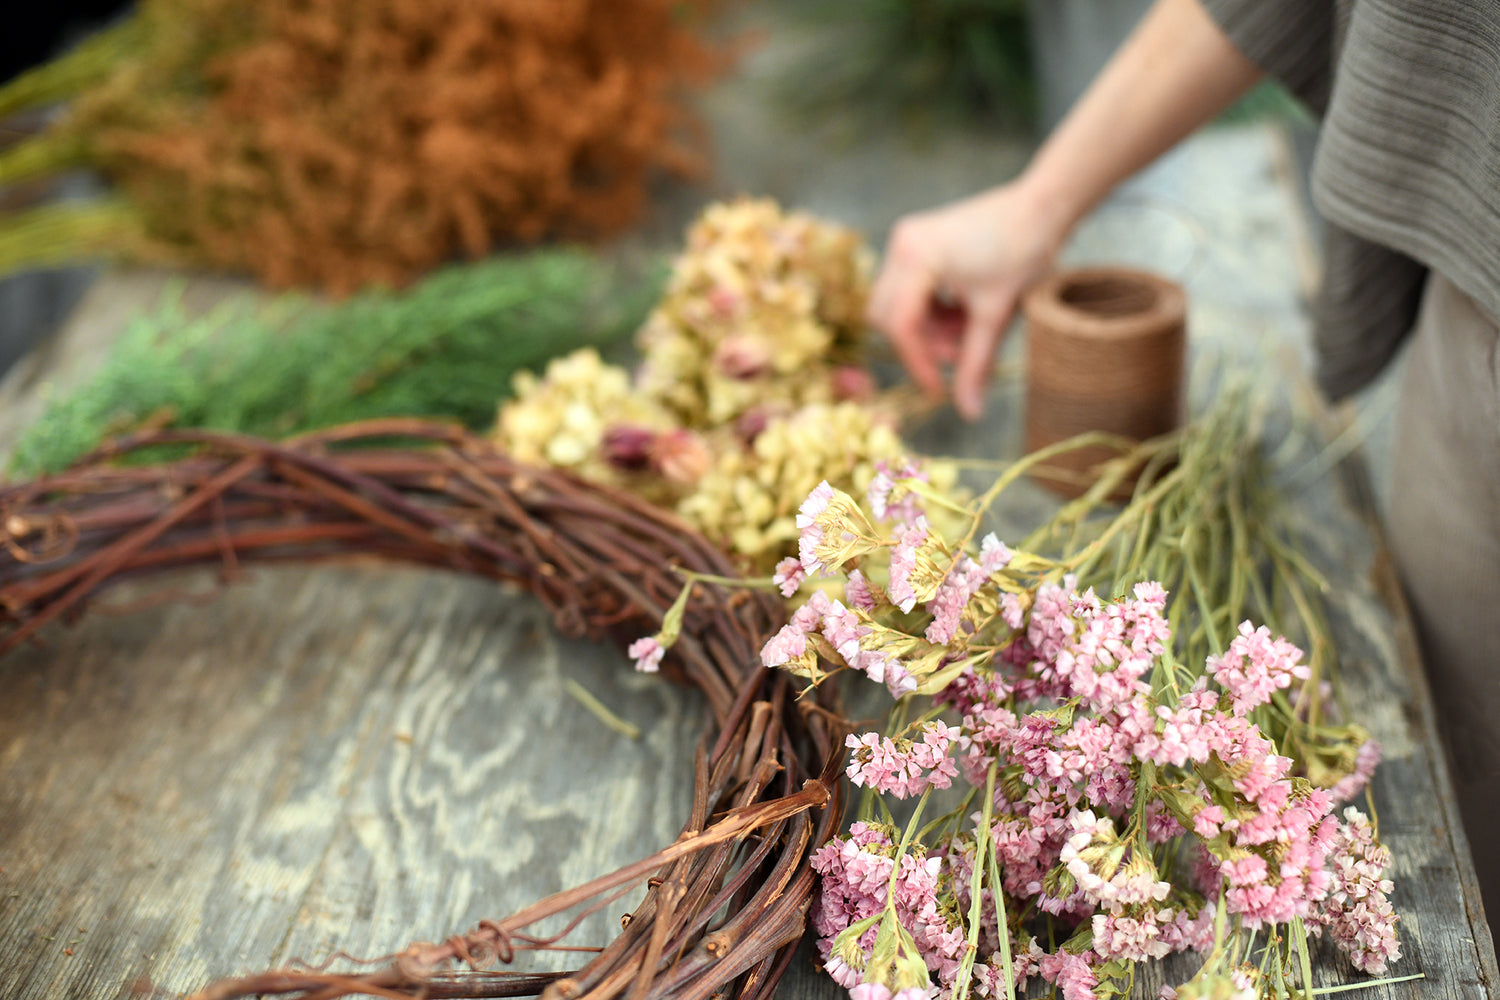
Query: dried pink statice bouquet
[{"x": 1124, "y": 802}]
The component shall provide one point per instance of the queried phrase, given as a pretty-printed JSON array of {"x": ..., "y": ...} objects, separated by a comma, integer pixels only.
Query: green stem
[
  {"x": 748, "y": 582},
  {"x": 997, "y": 889},
  {"x": 976, "y": 883},
  {"x": 1203, "y": 597},
  {"x": 47, "y": 154},
  {"x": 1249, "y": 570},
  {"x": 82, "y": 66},
  {"x": 598, "y": 709},
  {"x": 1315, "y": 627},
  {"x": 1324, "y": 990},
  {"x": 906, "y": 839},
  {"x": 1130, "y": 515},
  {"x": 1023, "y": 465},
  {"x": 1299, "y": 938},
  {"x": 53, "y": 235},
  {"x": 954, "y": 816}
]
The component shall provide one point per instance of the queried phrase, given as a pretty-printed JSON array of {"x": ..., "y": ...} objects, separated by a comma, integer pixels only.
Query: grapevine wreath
[{"x": 726, "y": 902}]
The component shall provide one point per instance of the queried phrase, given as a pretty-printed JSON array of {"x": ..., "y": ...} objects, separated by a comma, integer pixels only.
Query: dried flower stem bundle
[
  {"x": 1211, "y": 526},
  {"x": 727, "y": 901},
  {"x": 1146, "y": 777}
]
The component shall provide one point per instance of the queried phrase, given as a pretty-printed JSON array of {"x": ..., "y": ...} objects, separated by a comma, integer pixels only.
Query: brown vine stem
[{"x": 725, "y": 901}]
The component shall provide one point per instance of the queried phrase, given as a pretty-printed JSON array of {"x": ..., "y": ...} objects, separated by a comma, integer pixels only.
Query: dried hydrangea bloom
[
  {"x": 746, "y": 396},
  {"x": 749, "y": 499},
  {"x": 764, "y": 307},
  {"x": 584, "y": 415}
]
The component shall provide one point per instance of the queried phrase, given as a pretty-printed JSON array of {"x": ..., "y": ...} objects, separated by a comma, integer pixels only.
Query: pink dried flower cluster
[
  {"x": 1255, "y": 665},
  {"x": 1358, "y": 914},
  {"x": 882, "y": 498},
  {"x": 861, "y": 594},
  {"x": 910, "y": 540},
  {"x": 831, "y": 530},
  {"x": 1132, "y": 795},
  {"x": 647, "y": 653},
  {"x": 903, "y": 768},
  {"x": 1366, "y": 759},
  {"x": 878, "y": 991},
  {"x": 1071, "y": 973},
  {"x": 952, "y": 598},
  {"x": 843, "y": 632},
  {"x": 856, "y": 884},
  {"x": 789, "y": 575},
  {"x": 1079, "y": 646},
  {"x": 790, "y": 645}
]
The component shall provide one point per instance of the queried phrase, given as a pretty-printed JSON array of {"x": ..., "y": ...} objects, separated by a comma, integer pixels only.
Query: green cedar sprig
[{"x": 447, "y": 347}]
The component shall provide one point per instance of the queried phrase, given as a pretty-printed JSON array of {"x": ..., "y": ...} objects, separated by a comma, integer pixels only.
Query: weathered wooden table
[{"x": 351, "y": 757}]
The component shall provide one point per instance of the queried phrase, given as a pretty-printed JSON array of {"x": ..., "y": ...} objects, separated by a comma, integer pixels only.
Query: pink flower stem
[
  {"x": 906, "y": 839},
  {"x": 997, "y": 889}
]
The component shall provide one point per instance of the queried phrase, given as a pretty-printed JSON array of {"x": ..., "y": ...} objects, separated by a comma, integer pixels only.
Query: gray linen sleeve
[
  {"x": 1364, "y": 311},
  {"x": 1292, "y": 40}
]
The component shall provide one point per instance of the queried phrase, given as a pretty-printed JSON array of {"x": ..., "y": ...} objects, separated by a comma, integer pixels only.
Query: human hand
[{"x": 950, "y": 283}]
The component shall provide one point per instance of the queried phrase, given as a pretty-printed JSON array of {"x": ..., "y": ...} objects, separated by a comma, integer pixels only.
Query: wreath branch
[{"x": 726, "y": 902}]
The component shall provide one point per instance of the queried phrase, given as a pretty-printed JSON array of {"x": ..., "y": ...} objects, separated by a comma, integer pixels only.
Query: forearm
[{"x": 1175, "y": 72}]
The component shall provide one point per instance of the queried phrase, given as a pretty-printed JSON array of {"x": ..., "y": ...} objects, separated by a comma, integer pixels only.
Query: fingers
[
  {"x": 899, "y": 306},
  {"x": 988, "y": 317},
  {"x": 943, "y": 330}
]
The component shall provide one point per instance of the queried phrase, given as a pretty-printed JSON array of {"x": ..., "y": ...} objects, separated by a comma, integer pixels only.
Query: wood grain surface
[{"x": 345, "y": 757}]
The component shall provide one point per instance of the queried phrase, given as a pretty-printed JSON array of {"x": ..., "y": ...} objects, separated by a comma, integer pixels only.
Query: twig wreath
[{"x": 726, "y": 901}]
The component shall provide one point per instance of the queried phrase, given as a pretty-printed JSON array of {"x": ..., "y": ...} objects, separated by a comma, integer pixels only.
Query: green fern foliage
[{"x": 445, "y": 348}]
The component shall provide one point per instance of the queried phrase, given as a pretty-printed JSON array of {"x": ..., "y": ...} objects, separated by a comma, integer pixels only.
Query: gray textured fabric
[
  {"x": 1407, "y": 171},
  {"x": 1365, "y": 308}
]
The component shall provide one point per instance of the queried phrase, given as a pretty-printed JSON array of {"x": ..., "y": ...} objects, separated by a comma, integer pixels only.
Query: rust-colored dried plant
[{"x": 340, "y": 143}]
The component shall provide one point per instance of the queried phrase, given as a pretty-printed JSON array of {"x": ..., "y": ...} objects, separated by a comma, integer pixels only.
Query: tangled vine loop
[{"x": 725, "y": 903}]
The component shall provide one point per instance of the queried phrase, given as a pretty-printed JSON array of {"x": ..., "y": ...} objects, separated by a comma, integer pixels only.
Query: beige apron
[{"x": 1445, "y": 534}]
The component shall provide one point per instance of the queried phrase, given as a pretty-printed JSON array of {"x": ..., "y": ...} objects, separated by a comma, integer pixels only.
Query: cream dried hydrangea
[
  {"x": 584, "y": 415},
  {"x": 748, "y": 394},
  {"x": 763, "y": 308},
  {"x": 748, "y": 499}
]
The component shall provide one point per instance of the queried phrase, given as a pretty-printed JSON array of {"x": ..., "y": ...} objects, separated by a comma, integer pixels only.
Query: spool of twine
[{"x": 1105, "y": 352}]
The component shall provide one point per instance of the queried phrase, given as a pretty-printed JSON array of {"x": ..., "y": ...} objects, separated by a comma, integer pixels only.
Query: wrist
[{"x": 1044, "y": 208}]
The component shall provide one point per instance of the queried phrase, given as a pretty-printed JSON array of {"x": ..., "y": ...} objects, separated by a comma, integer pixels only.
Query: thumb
[{"x": 987, "y": 320}]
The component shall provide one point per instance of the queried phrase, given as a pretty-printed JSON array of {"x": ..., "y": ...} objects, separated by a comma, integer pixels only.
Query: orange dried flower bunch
[{"x": 340, "y": 143}]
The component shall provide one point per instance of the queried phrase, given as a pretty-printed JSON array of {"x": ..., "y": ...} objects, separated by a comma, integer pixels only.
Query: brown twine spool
[{"x": 1105, "y": 352}]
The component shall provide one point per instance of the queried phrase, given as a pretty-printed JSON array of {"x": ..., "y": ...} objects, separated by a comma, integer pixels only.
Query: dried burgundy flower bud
[
  {"x": 628, "y": 447},
  {"x": 750, "y": 423}
]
